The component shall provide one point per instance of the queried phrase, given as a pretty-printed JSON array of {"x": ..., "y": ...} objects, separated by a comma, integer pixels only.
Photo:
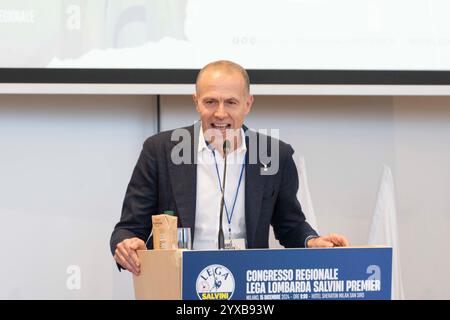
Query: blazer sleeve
[
  {"x": 140, "y": 199},
  {"x": 288, "y": 221}
]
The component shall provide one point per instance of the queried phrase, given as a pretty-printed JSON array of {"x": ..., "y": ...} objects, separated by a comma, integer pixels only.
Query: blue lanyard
[{"x": 229, "y": 217}]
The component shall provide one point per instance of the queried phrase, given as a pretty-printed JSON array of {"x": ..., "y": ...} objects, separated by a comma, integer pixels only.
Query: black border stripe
[{"x": 187, "y": 76}]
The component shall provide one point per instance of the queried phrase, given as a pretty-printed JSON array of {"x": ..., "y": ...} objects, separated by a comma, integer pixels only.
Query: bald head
[{"x": 224, "y": 66}]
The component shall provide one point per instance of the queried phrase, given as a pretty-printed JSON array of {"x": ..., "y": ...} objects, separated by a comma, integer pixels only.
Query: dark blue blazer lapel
[
  {"x": 254, "y": 186},
  {"x": 183, "y": 180}
]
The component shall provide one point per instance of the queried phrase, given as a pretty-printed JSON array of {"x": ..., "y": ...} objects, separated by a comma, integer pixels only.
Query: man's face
[{"x": 222, "y": 101}]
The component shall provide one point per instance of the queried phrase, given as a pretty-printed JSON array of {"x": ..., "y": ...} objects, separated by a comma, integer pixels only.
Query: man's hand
[
  {"x": 126, "y": 255},
  {"x": 328, "y": 241}
]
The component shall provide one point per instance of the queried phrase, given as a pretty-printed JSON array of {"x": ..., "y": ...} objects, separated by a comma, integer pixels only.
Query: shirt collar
[{"x": 202, "y": 143}]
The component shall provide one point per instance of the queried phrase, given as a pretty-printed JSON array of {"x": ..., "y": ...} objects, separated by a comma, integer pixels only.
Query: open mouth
[{"x": 221, "y": 126}]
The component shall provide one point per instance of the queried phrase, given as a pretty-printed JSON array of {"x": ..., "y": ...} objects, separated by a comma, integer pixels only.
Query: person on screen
[{"x": 182, "y": 170}]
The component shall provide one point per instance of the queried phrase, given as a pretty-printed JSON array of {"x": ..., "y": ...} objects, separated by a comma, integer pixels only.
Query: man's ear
[
  {"x": 194, "y": 98},
  {"x": 249, "y": 103}
]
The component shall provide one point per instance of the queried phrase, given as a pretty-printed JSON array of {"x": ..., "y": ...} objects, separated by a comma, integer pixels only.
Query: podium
[{"x": 358, "y": 273}]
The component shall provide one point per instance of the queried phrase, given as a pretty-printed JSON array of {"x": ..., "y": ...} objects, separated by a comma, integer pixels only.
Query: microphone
[{"x": 221, "y": 238}]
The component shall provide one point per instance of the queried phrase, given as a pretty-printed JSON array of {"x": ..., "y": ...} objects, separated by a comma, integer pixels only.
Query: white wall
[
  {"x": 66, "y": 160},
  {"x": 422, "y": 155},
  {"x": 64, "y": 166}
]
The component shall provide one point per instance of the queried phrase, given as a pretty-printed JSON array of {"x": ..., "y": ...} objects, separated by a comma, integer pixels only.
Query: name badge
[{"x": 235, "y": 244}]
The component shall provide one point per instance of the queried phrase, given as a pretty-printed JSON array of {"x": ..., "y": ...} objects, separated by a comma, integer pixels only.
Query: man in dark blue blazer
[{"x": 170, "y": 175}]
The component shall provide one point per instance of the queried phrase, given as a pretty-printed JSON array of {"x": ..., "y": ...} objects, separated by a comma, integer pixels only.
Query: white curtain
[
  {"x": 303, "y": 193},
  {"x": 384, "y": 229}
]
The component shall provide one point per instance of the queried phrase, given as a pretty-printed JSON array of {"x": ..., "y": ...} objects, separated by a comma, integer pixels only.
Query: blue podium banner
[{"x": 287, "y": 274}]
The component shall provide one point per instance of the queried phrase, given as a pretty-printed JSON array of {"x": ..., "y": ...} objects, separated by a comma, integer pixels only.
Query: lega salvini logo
[{"x": 215, "y": 282}]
